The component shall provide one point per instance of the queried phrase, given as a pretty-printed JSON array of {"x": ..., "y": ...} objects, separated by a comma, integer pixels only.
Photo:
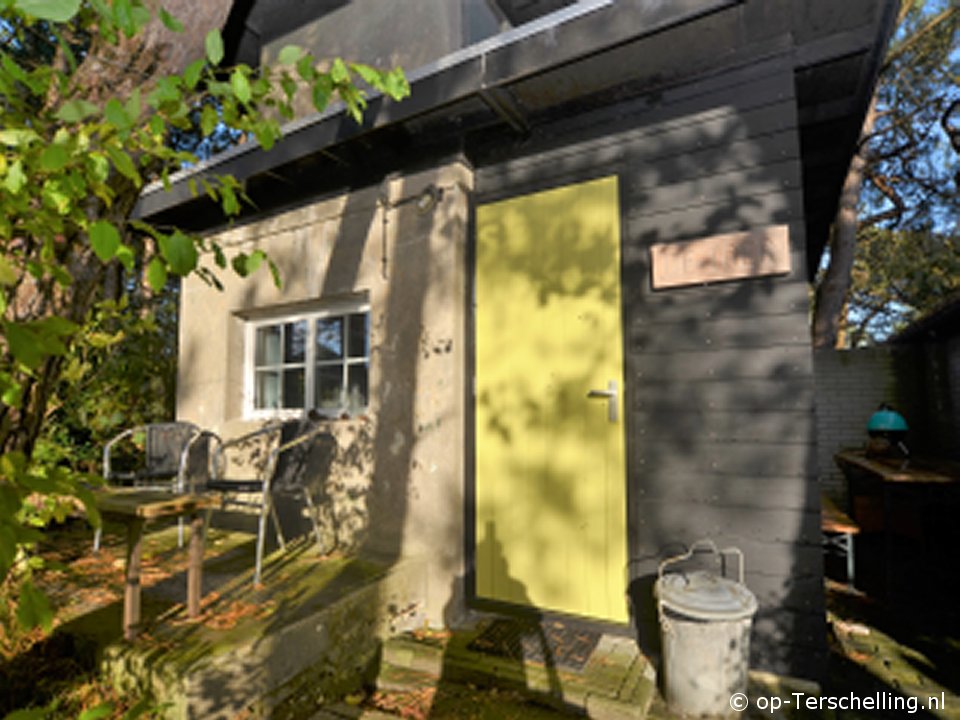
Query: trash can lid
[{"x": 703, "y": 595}]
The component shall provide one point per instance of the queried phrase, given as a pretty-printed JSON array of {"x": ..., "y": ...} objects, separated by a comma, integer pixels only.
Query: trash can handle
[{"x": 709, "y": 545}]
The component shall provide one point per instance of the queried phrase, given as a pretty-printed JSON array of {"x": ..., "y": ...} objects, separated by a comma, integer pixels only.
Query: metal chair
[
  {"x": 287, "y": 467},
  {"x": 154, "y": 455}
]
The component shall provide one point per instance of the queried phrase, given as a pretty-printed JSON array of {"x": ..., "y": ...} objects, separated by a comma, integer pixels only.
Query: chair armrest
[
  {"x": 107, "y": 472},
  {"x": 289, "y": 445},
  {"x": 218, "y": 455}
]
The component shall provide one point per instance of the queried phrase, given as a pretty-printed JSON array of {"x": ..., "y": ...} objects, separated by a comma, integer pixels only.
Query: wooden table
[
  {"x": 135, "y": 508},
  {"x": 897, "y": 470},
  {"x": 926, "y": 482}
]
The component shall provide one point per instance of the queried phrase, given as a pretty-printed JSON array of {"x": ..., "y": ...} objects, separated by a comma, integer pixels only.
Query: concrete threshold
[{"x": 615, "y": 683}]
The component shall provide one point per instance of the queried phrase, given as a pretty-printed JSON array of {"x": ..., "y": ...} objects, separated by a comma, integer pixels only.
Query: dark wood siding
[{"x": 719, "y": 401}]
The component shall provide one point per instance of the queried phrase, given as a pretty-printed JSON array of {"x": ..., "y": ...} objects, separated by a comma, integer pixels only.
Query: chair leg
[
  {"x": 276, "y": 525},
  {"x": 261, "y": 539}
]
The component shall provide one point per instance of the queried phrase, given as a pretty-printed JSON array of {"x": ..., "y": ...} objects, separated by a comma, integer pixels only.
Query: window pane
[
  {"x": 329, "y": 386},
  {"x": 357, "y": 387},
  {"x": 267, "y": 392},
  {"x": 293, "y": 388},
  {"x": 358, "y": 329},
  {"x": 294, "y": 341},
  {"x": 268, "y": 345},
  {"x": 330, "y": 338}
]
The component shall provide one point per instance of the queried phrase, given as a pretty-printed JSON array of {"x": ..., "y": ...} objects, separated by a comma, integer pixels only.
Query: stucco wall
[{"x": 396, "y": 485}]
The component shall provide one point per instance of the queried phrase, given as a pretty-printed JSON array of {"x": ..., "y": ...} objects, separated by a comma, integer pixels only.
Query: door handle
[{"x": 612, "y": 397}]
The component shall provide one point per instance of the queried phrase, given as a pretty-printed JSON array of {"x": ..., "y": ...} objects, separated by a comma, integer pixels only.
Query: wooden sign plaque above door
[{"x": 732, "y": 256}]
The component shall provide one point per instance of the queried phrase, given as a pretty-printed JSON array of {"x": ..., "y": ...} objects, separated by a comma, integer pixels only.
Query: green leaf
[
  {"x": 214, "y": 47},
  {"x": 126, "y": 257},
  {"x": 89, "y": 504},
  {"x": 395, "y": 84},
  {"x": 218, "y": 257},
  {"x": 12, "y": 392},
  {"x": 54, "y": 325},
  {"x": 15, "y": 71},
  {"x": 33, "y": 609},
  {"x": 74, "y": 111},
  {"x": 266, "y": 134},
  {"x": 23, "y": 344},
  {"x": 56, "y": 196},
  {"x": 191, "y": 76},
  {"x": 156, "y": 274},
  {"x": 208, "y": 120},
  {"x": 228, "y": 200},
  {"x": 180, "y": 253},
  {"x": 208, "y": 189},
  {"x": 141, "y": 16},
  {"x": 18, "y": 136},
  {"x": 54, "y": 158},
  {"x": 305, "y": 68},
  {"x": 123, "y": 15},
  {"x": 254, "y": 260},
  {"x": 369, "y": 75},
  {"x": 143, "y": 706},
  {"x": 124, "y": 164},
  {"x": 289, "y": 54},
  {"x": 28, "y": 714},
  {"x": 275, "y": 272},
  {"x": 322, "y": 90},
  {"x": 240, "y": 85},
  {"x": 95, "y": 713},
  {"x": 338, "y": 72},
  {"x": 289, "y": 86},
  {"x": 170, "y": 22},
  {"x": 99, "y": 166},
  {"x": 239, "y": 264},
  {"x": 133, "y": 107},
  {"x": 52, "y": 10},
  {"x": 105, "y": 240},
  {"x": 8, "y": 273},
  {"x": 116, "y": 115}
]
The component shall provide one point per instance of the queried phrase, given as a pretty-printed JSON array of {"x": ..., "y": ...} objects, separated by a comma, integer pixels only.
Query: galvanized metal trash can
[{"x": 705, "y": 622}]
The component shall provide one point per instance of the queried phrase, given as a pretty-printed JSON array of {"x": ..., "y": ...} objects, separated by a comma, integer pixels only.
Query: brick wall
[
  {"x": 849, "y": 385},
  {"x": 921, "y": 381}
]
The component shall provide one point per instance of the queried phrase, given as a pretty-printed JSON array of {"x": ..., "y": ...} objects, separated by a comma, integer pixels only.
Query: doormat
[{"x": 550, "y": 643}]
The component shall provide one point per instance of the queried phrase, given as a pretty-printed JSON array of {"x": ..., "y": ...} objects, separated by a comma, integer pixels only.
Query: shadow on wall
[
  {"x": 719, "y": 375},
  {"x": 363, "y": 480},
  {"x": 719, "y": 396},
  {"x": 513, "y": 642}
]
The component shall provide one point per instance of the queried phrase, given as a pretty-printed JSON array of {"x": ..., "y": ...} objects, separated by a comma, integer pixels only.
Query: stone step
[{"x": 616, "y": 683}]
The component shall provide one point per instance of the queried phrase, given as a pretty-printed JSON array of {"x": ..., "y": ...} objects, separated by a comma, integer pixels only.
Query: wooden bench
[{"x": 838, "y": 530}]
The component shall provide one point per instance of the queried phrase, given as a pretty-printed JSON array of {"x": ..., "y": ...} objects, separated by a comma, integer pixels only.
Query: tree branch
[{"x": 897, "y": 52}]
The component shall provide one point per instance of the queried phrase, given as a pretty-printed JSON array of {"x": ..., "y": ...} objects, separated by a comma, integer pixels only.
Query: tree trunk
[
  {"x": 106, "y": 71},
  {"x": 831, "y": 296}
]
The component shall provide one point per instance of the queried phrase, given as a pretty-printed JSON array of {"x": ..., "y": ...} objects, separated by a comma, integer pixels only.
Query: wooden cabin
[{"x": 554, "y": 305}]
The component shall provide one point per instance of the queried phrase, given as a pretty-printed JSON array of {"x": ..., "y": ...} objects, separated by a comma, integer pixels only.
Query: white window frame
[{"x": 251, "y": 324}]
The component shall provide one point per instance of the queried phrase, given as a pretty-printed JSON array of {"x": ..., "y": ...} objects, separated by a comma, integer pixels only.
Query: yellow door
[{"x": 550, "y": 469}]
